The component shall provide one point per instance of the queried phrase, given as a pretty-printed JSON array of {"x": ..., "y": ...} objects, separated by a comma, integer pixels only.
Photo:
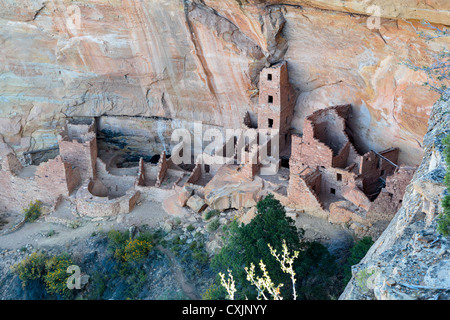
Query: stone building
[
  {"x": 78, "y": 145},
  {"x": 329, "y": 177},
  {"x": 46, "y": 182},
  {"x": 276, "y": 101}
]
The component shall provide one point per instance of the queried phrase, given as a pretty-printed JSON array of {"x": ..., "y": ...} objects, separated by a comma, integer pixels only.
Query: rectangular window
[
  {"x": 269, "y": 77},
  {"x": 270, "y": 123},
  {"x": 339, "y": 177},
  {"x": 333, "y": 191},
  {"x": 270, "y": 99}
]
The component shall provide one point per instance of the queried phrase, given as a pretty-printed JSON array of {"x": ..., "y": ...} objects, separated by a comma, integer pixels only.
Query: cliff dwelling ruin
[{"x": 326, "y": 174}]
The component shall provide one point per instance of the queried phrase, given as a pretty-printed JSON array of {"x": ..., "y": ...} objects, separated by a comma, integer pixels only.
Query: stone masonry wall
[{"x": 51, "y": 179}]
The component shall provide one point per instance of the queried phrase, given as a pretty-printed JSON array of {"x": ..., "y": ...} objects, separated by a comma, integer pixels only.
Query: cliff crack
[{"x": 36, "y": 14}]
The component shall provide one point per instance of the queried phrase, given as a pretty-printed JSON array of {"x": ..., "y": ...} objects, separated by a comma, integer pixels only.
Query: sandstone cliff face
[
  {"x": 410, "y": 260},
  {"x": 199, "y": 61}
]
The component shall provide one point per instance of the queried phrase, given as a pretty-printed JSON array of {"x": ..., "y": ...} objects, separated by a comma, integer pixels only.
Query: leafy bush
[
  {"x": 136, "y": 250},
  {"x": 31, "y": 268},
  {"x": 209, "y": 214},
  {"x": 214, "y": 292},
  {"x": 51, "y": 270},
  {"x": 248, "y": 244},
  {"x": 56, "y": 276},
  {"x": 358, "y": 252},
  {"x": 443, "y": 222},
  {"x": 130, "y": 255},
  {"x": 128, "y": 250},
  {"x": 34, "y": 211},
  {"x": 200, "y": 256},
  {"x": 317, "y": 273},
  {"x": 213, "y": 225}
]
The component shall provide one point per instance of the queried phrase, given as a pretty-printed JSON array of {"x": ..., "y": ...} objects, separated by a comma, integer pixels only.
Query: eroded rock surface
[{"x": 200, "y": 60}]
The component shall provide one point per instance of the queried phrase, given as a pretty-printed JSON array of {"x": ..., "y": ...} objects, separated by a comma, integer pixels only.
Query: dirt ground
[{"x": 43, "y": 234}]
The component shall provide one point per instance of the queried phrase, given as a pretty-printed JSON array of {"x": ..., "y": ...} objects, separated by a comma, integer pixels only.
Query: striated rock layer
[
  {"x": 410, "y": 260},
  {"x": 199, "y": 60}
]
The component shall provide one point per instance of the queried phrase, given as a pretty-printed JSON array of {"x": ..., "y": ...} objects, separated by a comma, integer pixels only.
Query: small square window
[
  {"x": 270, "y": 123},
  {"x": 270, "y": 99},
  {"x": 269, "y": 77},
  {"x": 339, "y": 177},
  {"x": 333, "y": 191}
]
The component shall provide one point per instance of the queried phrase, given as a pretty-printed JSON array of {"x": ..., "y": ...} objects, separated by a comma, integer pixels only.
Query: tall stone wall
[{"x": 82, "y": 155}]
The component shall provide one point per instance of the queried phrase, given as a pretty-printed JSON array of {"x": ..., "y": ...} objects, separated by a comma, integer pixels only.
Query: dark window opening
[
  {"x": 270, "y": 99},
  {"x": 286, "y": 138},
  {"x": 269, "y": 77},
  {"x": 270, "y": 123},
  {"x": 207, "y": 168},
  {"x": 333, "y": 191},
  {"x": 382, "y": 172},
  {"x": 339, "y": 177}
]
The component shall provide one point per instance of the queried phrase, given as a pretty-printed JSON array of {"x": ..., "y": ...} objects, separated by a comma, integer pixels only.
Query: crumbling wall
[
  {"x": 82, "y": 155},
  {"x": 302, "y": 191},
  {"x": 340, "y": 160},
  {"x": 370, "y": 172},
  {"x": 117, "y": 185},
  {"x": 11, "y": 163},
  {"x": 94, "y": 206},
  {"x": 251, "y": 165},
  {"x": 311, "y": 152},
  {"x": 392, "y": 155},
  {"x": 196, "y": 174},
  {"x": 56, "y": 177},
  {"x": 50, "y": 180},
  {"x": 163, "y": 165},
  {"x": 398, "y": 181},
  {"x": 140, "y": 179}
]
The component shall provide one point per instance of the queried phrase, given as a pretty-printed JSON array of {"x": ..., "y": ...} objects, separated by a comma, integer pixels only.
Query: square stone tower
[{"x": 276, "y": 101}]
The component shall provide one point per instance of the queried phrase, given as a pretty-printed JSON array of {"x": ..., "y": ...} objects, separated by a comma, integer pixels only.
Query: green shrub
[
  {"x": 74, "y": 224},
  {"x": 56, "y": 277},
  {"x": 136, "y": 250},
  {"x": 34, "y": 211},
  {"x": 200, "y": 256},
  {"x": 190, "y": 228},
  {"x": 443, "y": 220},
  {"x": 31, "y": 268},
  {"x": 193, "y": 245},
  {"x": 126, "y": 250},
  {"x": 358, "y": 252},
  {"x": 247, "y": 244},
  {"x": 213, "y": 225},
  {"x": 51, "y": 270},
  {"x": 209, "y": 214},
  {"x": 214, "y": 292}
]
